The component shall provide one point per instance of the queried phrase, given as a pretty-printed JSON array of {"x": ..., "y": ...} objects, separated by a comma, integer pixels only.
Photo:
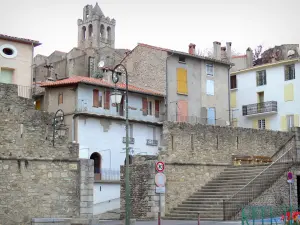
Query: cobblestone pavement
[{"x": 173, "y": 222}]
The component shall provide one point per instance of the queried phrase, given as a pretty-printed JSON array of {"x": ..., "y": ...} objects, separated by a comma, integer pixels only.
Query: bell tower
[{"x": 95, "y": 30}]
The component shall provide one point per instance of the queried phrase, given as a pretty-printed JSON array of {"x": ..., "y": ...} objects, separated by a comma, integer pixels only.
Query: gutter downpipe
[{"x": 166, "y": 98}]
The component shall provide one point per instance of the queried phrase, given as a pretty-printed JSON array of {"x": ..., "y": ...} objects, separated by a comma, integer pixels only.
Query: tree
[{"x": 257, "y": 52}]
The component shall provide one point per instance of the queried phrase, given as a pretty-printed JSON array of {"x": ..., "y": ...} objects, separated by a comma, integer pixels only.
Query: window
[
  {"x": 8, "y": 51},
  {"x": 156, "y": 108},
  {"x": 91, "y": 66},
  {"x": 6, "y": 76},
  {"x": 211, "y": 116},
  {"x": 182, "y": 81},
  {"x": 233, "y": 83},
  {"x": 60, "y": 98},
  {"x": 210, "y": 69},
  {"x": 97, "y": 164},
  {"x": 181, "y": 59},
  {"x": 100, "y": 99},
  {"x": 262, "y": 124},
  {"x": 290, "y": 121},
  {"x": 150, "y": 108},
  {"x": 289, "y": 72},
  {"x": 95, "y": 98},
  {"x": 261, "y": 78},
  {"x": 210, "y": 87}
]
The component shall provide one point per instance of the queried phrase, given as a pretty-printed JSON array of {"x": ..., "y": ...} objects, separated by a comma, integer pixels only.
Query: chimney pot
[{"x": 192, "y": 48}]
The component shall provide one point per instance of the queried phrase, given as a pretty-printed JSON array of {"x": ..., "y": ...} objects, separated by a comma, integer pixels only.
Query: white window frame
[
  {"x": 210, "y": 87},
  {"x": 13, "y": 48},
  {"x": 208, "y": 72},
  {"x": 261, "y": 124}
]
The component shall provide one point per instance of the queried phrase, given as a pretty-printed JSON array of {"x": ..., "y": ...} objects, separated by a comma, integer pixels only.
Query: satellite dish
[{"x": 101, "y": 64}]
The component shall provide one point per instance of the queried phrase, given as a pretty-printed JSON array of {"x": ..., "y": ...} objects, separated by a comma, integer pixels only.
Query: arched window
[
  {"x": 130, "y": 160},
  {"x": 102, "y": 30},
  {"x": 83, "y": 32},
  {"x": 90, "y": 30},
  {"x": 108, "y": 33},
  {"x": 97, "y": 162}
]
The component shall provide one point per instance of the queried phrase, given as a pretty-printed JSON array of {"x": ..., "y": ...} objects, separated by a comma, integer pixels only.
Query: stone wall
[
  {"x": 144, "y": 60},
  {"x": 37, "y": 179},
  {"x": 213, "y": 144},
  {"x": 144, "y": 201}
]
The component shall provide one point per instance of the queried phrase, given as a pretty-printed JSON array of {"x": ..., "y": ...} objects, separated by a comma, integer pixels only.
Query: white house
[
  {"x": 99, "y": 127},
  {"x": 266, "y": 96}
]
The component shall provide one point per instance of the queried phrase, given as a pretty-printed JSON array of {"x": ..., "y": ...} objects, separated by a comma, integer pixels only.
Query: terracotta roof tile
[
  {"x": 98, "y": 82},
  {"x": 20, "y": 40}
]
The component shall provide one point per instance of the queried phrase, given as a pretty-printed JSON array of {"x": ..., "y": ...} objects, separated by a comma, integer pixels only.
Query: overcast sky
[{"x": 165, "y": 23}]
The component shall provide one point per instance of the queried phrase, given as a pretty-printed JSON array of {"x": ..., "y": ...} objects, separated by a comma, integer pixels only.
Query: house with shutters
[{"x": 99, "y": 127}]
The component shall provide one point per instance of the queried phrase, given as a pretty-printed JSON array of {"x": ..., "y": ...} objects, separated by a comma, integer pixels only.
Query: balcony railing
[
  {"x": 131, "y": 140},
  {"x": 107, "y": 174},
  {"x": 152, "y": 142},
  {"x": 263, "y": 107}
]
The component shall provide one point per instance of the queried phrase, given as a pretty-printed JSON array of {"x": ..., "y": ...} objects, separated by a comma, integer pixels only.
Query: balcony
[
  {"x": 260, "y": 108},
  {"x": 131, "y": 140},
  {"x": 106, "y": 174},
  {"x": 151, "y": 142}
]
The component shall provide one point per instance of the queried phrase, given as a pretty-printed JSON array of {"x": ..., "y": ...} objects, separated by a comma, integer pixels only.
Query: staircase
[
  {"x": 223, "y": 197},
  {"x": 208, "y": 201}
]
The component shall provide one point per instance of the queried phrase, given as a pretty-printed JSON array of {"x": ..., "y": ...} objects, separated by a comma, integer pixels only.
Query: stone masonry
[
  {"x": 37, "y": 179},
  {"x": 194, "y": 155}
]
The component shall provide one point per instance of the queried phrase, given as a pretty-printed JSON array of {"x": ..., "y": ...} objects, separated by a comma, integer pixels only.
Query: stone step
[
  {"x": 198, "y": 209},
  {"x": 175, "y": 216}
]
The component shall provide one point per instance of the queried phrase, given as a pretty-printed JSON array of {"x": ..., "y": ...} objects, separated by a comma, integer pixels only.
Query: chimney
[
  {"x": 249, "y": 60},
  {"x": 228, "y": 47},
  {"x": 223, "y": 53},
  {"x": 192, "y": 48},
  {"x": 217, "y": 50}
]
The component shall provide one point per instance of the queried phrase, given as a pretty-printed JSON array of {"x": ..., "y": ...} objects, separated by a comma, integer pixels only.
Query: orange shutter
[{"x": 95, "y": 98}]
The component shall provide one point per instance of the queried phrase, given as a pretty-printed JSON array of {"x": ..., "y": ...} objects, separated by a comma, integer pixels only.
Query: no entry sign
[{"x": 160, "y": 167}]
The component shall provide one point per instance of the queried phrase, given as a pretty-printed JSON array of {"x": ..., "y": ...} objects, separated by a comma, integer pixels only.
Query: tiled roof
[
  {"x": 239, "y": 56},
  {"x": 20, "y": 40},
  {"x": 98, "y": 82},
  {"x": 185, "y": 54}
]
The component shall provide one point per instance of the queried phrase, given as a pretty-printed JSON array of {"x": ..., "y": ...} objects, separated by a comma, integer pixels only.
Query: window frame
[
  {"x": 288, "y": 77},
  {"x": 182, "y": 61},
  {"x": 213, "y": 87},
  {"x": 261, "y": 79},
  {"x": 233, "y": 82},
  {"x": 261, "y": 124},
  {"x": 210, "y": 73}
]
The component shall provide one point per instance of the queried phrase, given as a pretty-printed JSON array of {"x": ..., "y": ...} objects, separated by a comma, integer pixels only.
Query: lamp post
[
  {"x": 57, "y": 122},
  {"x": 116, "y": 97}
]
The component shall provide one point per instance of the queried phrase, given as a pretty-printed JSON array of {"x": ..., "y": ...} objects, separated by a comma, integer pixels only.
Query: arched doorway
[{"x": 97, "y": 163}]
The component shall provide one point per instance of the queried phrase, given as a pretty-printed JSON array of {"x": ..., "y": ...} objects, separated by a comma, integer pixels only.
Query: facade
[
  {"x": 16, "y": 56},
  {"x": 196, "y": 87},
  {"x": 266, "y": 96},
  {"x": 99, "y": 128}
]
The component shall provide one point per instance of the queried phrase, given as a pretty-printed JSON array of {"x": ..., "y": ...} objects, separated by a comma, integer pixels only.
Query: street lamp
[
  {"x": 116, "y": 98},
  {"x": 58, "y": 121}
]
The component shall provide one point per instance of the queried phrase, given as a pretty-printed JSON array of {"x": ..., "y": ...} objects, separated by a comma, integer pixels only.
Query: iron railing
[
  {"x": 257, "y": 108},
  {"x": 265, "y": 179},
  {"x": 130, "y": 139},
  {"x": 152, "y": 142},
  {"x": 107, "y": 174}
]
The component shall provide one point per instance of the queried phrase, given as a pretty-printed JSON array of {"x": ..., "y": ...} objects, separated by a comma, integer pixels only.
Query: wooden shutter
[
  {"x": 296, "y": 120},
  {"x": 95, "y": 98},
  {"x": 60, "y": 98},
  {"x": 107, "y": 99},
  {"x": 156, "y": 108},
  {"x": 145, "y": 106},
  {"x": 182, "y": 81}
]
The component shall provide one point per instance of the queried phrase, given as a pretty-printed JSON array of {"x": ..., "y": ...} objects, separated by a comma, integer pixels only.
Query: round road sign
[
  {"x": 160, "y": 167},
  {"x": 160, "y": 180}
]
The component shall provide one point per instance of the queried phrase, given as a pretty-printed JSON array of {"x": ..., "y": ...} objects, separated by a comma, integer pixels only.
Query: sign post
[
  {"x": 160, "y": 181},
  {"x": 290, "y": 181}
]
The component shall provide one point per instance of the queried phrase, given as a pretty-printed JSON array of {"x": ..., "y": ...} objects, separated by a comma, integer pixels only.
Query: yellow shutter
[
  {"x": 182, "y": 81},
  {"x": 296, "y": 120},
  {"x": 254, "y": 124},
  {"x": 233, "y": 99},
  {"x": 268, "y": 125},
  {"x": 283, "y": 123},
  {"x": 289, "y": 92}
]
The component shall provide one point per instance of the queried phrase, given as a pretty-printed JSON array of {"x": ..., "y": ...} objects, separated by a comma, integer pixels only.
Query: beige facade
[{"x": 16, "y": 55}]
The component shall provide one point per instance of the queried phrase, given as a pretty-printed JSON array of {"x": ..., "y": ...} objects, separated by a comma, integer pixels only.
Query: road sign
[
  {"x": 160, "y": 190},
  {"x": 290, "y": 177},
  {"x": 160, "y": 167},
  {"x": 160, "y": 180}
]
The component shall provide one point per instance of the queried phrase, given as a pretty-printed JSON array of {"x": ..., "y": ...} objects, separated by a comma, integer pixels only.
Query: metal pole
[
  {"x": 127, "y": 189},
  {"x": 290, "y": 201},
  {"x": 159, "y": 211}
]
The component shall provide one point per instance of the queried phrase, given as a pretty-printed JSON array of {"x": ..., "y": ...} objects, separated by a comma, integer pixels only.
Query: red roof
[
  {"x": 20, "y": 40},
  {"x": 97, "y": 82},
  {"x": 239, "y": 56}
]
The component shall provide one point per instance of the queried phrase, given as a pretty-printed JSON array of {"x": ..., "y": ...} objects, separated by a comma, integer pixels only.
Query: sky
[{"x": 170, "y": 24}]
